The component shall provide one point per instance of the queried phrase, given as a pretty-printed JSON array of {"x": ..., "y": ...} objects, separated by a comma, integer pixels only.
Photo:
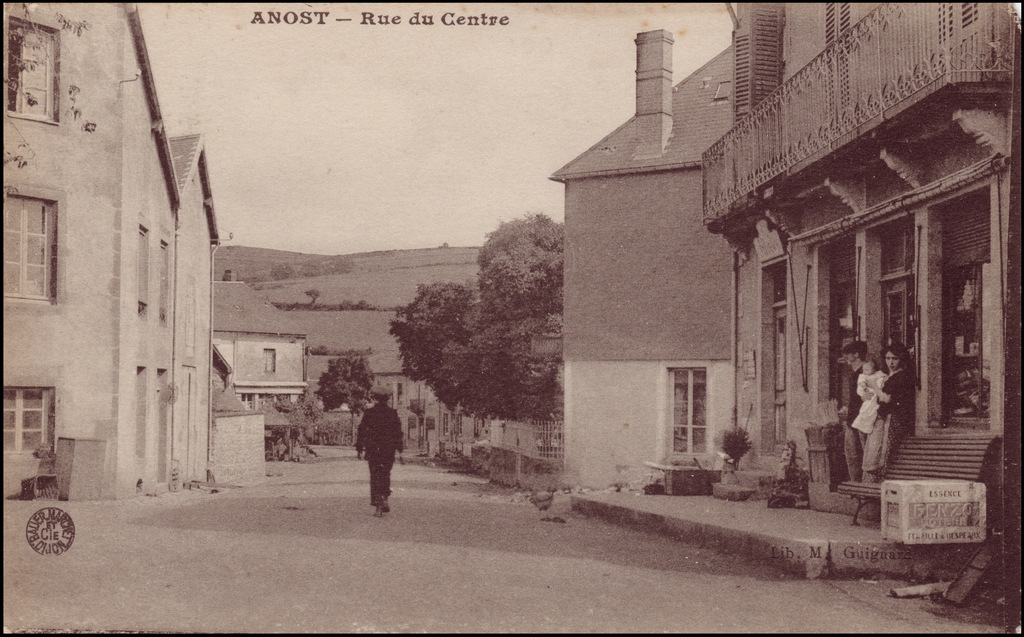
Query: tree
[
  {"x": 435, "y": 320},
  {"x": 307, "y": 412},
  {"x": 313, "y": 294},
  {"x": 473, "y": 348},
  {"x": 347, "y": 381}
]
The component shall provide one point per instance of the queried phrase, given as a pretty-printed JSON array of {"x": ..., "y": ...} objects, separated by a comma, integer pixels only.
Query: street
[{"x": 302, "y": 552}]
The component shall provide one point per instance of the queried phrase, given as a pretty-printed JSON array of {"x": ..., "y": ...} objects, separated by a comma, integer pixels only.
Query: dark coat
[
  {"x": 901, "y": 385},
  {"x": 380, "y": 431}
]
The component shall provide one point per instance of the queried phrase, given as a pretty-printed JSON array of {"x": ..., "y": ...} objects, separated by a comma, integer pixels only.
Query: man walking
[
  {"x": 854, "y": 355},
  {"x": 380, "y": 436}
]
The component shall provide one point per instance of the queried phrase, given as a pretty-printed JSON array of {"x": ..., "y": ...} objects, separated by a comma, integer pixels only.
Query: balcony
[{"x": 892, "y": 59}]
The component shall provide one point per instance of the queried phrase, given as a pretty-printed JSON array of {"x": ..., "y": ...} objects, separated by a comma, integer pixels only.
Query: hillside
[{"x": 383, "y": 279}]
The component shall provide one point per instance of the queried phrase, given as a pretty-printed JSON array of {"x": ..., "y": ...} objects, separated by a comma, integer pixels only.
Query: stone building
[
  {"x": 865, "y": 187},
  {"x": 647, "y": 345},
  {"x": 107, "y": 260}
]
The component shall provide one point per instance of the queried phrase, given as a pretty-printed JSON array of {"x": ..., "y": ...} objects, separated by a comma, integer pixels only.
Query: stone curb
[{"x": 813, "y": 558}]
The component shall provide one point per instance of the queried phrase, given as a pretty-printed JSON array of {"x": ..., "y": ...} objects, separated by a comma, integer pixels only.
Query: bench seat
[{"x": 946, "y": 458}]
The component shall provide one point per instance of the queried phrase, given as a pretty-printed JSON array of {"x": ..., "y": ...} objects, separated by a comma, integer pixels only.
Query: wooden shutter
[
  {"x": 966, "y": 234},
  {"x": 757, "y": 50}
]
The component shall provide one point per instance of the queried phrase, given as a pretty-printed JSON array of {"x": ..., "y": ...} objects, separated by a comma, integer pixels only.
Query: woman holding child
[{"x": 894, "y": 395}]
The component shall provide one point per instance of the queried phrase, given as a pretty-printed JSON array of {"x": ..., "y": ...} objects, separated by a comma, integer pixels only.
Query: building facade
[
  {"x": 865, "y": 189},
  {"x": 268, "y": 362},
  {"x": 107, "y": 259},
  {"x": 647, "y": 312}
]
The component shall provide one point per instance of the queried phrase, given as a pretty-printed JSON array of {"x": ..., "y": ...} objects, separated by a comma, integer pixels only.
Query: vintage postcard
[{"x": 512, "y": 317}]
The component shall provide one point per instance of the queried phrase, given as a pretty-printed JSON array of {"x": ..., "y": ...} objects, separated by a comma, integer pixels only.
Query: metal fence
[{"x": 535, "y": 438}]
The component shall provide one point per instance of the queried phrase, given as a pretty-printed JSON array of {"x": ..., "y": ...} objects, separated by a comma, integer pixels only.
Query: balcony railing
[{"x": 897, "y": 55}]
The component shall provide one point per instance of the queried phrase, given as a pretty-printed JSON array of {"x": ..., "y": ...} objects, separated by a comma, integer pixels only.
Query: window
[
  {"x": 723, "y": 91},
  {"x": 837, "y": 20},
  {"x": 843, "y": 274},
  {"x": 143, "y": 270},
  {"x": 270, "y": 360},
  {"x": 899, "y": 308},
  {"x": 165, "y": 269},
  {"x": 689, "y": 411},
  {"x": 28, "y": 418},
  {"x": 32, "y": 70},
  {"x": 141, "y": 410},
  {"x": 30, "y": 248},
  {"x": 965, "y": 251}
]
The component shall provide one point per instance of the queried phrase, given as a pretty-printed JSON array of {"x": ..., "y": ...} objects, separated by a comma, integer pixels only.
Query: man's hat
[{"x": 380, "y": 391}]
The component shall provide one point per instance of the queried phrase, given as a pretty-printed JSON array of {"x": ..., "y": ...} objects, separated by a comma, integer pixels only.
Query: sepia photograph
[{"x": 512, "y": 318}]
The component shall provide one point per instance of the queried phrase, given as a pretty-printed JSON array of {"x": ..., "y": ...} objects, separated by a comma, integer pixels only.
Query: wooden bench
[{"x": 946, "y": 458}]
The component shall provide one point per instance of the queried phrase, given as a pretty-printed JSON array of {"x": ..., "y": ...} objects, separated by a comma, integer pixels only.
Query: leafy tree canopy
[
  {"x": 473, "y": 348},
  {"x": 347, "y": 381}
]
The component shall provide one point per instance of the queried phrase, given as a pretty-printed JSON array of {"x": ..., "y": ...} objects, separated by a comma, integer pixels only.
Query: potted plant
[{"x": 735, "y": 445}]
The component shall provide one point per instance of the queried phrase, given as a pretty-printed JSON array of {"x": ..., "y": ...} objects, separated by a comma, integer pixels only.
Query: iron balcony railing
[{"x": 897, "y": 55}]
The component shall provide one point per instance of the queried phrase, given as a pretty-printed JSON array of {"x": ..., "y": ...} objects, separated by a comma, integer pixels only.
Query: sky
[{"x": 347, "y": 137}]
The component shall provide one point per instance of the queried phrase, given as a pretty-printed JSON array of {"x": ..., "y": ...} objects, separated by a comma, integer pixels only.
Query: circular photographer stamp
[{"x": 50, "y": 531}]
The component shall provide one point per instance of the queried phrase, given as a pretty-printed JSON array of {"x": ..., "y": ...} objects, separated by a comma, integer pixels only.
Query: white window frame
[
  {"x": 689, "y": 424},
  {"x": 269, "y": 360},
  {"x": 18, "y": 410},
  {"x": 49, "y": 52},
  {"x": 23, "y": 237}
]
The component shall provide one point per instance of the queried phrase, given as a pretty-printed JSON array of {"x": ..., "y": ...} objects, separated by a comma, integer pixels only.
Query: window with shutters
[
  {"x": 954, "y": 18},
  {"x": 30, "y": 247},
  {"x": 837, "y": 20},
  {"x": 965, "y": 251},
  {"x": 757, "y": 45},
  {"x": 837, "y": 23}
]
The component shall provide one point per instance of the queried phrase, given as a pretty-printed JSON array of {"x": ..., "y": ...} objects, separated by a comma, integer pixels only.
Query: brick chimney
[
  {"x": 653, "y": 93},
  {"x": 229, "y": 275}
]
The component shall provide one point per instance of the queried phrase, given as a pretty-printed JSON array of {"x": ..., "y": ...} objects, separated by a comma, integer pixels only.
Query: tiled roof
[
  {"x": 380, "y": 363},
  {"x": 239, "y": 308},
  {"x": 184, "y": 151},
  {"x": 698, "y": 120}
]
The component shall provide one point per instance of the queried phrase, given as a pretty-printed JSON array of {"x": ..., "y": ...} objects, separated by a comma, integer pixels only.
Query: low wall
[{"x": 237, "y": 448}]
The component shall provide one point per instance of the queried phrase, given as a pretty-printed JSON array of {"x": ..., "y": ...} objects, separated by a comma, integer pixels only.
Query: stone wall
[{"x": 237, "y": 442}]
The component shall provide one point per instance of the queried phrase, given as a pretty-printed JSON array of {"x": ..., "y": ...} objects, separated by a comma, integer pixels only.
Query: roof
[
  {"x": 239, "y": 308},
  {"x": 699, "y": 120},
  {"x": 188, "y": 157},
  {"x": 226, "y": 402},
  {"x": 384, "y": 363},
  {"x": 155, "y": 117},
  {"x": 184, "y": 156}
]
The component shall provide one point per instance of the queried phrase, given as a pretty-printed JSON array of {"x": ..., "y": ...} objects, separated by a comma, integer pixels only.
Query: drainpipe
[
  {"x": 209, "y": 380},
  {"x": 174, "y": 352},
  {"x": 735, "y": 336}
]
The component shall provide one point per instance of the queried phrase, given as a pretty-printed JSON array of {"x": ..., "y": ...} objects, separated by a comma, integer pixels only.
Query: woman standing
[{"x": 896, "y": 398}]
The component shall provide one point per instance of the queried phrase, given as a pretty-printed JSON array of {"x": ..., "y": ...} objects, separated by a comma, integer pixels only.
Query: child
[{"x": 868, "y": 378}]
